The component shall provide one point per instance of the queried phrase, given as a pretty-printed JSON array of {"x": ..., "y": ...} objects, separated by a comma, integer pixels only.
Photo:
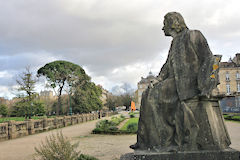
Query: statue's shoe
[{"x": 134, "y": 146}]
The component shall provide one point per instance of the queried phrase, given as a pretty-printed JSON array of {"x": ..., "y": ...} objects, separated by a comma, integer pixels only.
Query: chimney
[{"x": 238, "y": 58}]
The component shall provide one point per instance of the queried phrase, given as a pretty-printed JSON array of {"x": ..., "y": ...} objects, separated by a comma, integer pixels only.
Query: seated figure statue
[{"x": 180, "y": 112}]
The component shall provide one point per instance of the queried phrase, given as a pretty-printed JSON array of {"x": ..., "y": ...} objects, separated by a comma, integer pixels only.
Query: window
[
  {"x": 228, "y": 88},
  {"x": 238, "y": 87},
  {"x": 227, "y": 76},
  {"x": 237, "y": 75}
]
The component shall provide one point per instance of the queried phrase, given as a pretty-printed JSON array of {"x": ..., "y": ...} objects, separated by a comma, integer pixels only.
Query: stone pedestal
[{"x": 227, "y": 154}]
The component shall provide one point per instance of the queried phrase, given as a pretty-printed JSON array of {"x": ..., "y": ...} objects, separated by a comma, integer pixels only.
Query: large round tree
[{"x": 60, "y": 74}]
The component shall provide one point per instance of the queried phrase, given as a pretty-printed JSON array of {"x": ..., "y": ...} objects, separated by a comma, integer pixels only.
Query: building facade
[
  {"x": 142, "y": 86},
  {"x": 229, "y": 77},
  {"x": 104, "y": 97}
]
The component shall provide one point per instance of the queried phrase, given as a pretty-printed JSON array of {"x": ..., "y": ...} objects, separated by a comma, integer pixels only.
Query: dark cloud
[
  {"x": 103, "y": 36},
  {"x": 21, "y": 61}
]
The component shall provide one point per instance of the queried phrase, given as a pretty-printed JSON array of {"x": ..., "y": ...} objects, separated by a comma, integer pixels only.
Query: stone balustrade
[
  {"x": 15, "y": 129},
  {"x": 3, "y": 131}
]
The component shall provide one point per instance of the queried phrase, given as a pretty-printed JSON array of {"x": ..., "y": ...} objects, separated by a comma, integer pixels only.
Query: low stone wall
[
  {"x": 108, "y": 114},
  {"x": 15, "y": 129},
  {"x": 3, "y": 131}
]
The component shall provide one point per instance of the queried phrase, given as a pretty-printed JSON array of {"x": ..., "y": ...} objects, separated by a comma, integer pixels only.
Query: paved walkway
[
  {"x": 104, "y": 147},
  {"x": 23, "y": 148}
]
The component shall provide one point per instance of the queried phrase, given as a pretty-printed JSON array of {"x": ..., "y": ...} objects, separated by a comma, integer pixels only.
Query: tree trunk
[
  {"x": 59, "y": 105},
  {"x": 59, "y": 100}
]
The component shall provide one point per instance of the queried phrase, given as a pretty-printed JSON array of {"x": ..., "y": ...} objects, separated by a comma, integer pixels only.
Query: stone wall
[
  {"x": 3, "y": 131},
  {"x": 15, "y": 129}
]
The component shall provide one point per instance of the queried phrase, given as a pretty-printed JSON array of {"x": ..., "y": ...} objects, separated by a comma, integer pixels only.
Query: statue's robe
[{"x": 166, "y": 119}]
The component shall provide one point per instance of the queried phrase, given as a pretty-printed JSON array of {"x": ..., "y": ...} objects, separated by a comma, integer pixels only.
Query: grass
[
  {"x": 130, "y": 121},
  {"x": 5, "y": 119},
  {"x": 236, "y": 117},
  {"x": 232, "y": 117},
  {"x": 134, "y": 112}
]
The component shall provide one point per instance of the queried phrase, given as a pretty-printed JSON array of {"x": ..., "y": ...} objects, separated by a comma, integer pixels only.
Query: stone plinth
[{"x": 227, "y": 154}]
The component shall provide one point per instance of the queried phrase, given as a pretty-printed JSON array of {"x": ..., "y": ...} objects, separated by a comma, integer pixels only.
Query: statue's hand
[
  {"x": 204, "y": 95},
  {"x": 157, "y": 83}
]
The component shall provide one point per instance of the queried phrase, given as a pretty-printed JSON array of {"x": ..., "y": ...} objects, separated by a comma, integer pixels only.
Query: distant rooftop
[
  {"x": 235, "y": 62},
  {"x": 148, "y": 79}
]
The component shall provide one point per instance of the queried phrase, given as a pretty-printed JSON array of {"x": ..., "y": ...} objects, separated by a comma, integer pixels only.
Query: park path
[
  {"x": 23, "y": 148},
  {"x": 234, "y": 132},
  {"x": 122, "y": 123},
  {"x": 104, "y": 147}
]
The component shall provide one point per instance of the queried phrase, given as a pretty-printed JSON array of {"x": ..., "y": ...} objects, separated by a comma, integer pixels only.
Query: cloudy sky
[{"x": 115, "y": 41}]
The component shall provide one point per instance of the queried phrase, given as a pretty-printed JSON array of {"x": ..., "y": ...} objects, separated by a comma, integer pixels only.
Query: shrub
[
  {"x": 105, "y": 126},
  {"x": 122, "y": 116},
  {"x": 132, "y": 115},
  {"x": 97, "y": 130},
  {"x": 86, "y": 157},
  {"x": 112, "y": 128},
  {"x": 132, "y": 127},
  {"x": 117, "y": 120},
  {"x": 57, "y": 147}
]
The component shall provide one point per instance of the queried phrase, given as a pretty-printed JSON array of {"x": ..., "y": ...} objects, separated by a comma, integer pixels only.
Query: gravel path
[
  {"x": 234, "y": 132},
  {"x": 23, "y": 148},
  {"x": 107, "y": 147},
  {"x": 104, "y": 147}
]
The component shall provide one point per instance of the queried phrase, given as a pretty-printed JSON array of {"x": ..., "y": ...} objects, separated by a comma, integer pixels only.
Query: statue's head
[{"x": 173, "y": 24}]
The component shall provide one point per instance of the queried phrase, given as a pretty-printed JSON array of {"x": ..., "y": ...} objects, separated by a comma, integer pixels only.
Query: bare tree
[{"x": 26, "y": 82}]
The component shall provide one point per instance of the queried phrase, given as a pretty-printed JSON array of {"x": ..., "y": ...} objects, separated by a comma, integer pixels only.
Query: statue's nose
[{"x": 163, "y": 28}]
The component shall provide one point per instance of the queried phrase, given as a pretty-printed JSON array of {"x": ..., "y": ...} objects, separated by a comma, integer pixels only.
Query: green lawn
[
  {"x": 236, "y": 117},
  {"x": 135, "y": 112},
  {"x": 4, "y": 119},
  {"x": 131, "y": 120},
  {"x": 232, "y": 117}
]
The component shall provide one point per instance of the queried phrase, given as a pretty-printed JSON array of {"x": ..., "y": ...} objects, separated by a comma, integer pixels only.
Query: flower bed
[{"x": 110, "y": 127}]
